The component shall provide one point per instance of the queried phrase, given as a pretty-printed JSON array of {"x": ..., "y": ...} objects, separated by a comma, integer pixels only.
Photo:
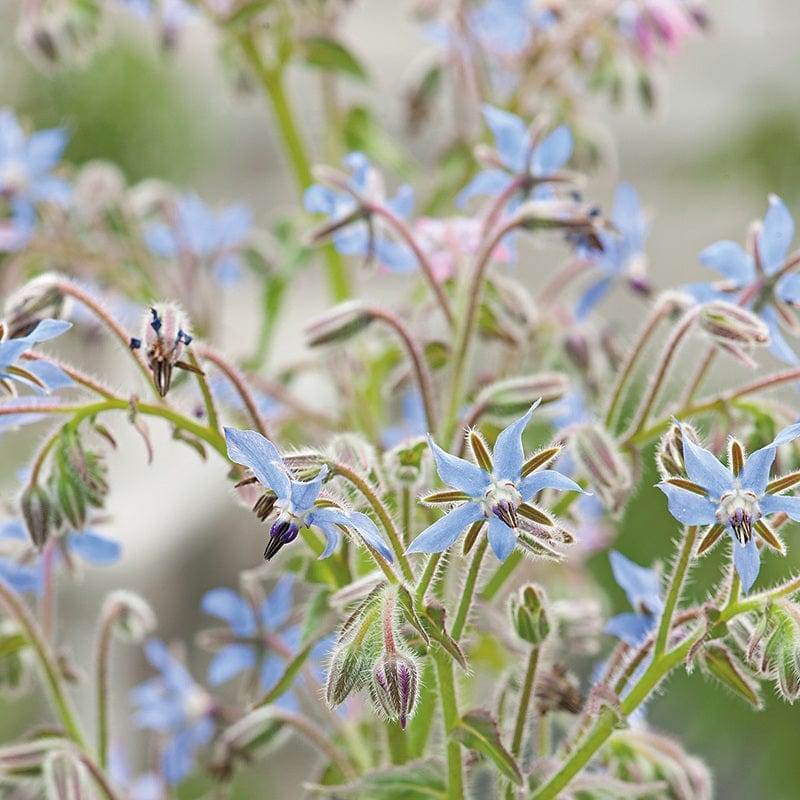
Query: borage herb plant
[{"x": 403, "y": 445}]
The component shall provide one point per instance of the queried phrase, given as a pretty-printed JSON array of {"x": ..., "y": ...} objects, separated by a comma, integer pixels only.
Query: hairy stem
[
  {"x": 468, "y": 590},
  {"x": 675, "y": 588},
  {"x": 449, "y": 704},
  {"x": 524, "y": 702}
]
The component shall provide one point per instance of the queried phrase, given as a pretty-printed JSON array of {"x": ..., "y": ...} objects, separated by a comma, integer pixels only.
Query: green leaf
[
  {"x": 416, "y": 780},
  {"x": 478, "y": 731},
  {"x": 319, "y": 51},
  {"x": 726, "y": 668},
  {"x": 433, "y": 619},
  {"x": 406, "y": 602}
]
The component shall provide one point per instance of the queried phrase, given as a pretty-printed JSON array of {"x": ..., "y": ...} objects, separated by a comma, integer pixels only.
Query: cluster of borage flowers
[{"x": 386, "y": 624}]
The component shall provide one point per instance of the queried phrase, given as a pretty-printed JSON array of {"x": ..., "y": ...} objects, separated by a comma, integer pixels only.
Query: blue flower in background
[
  {"x": 505, "y": 27},
  {"x": 296, "y": 501},
  {"x": 642, "y": 587},
  {"x": 759, "y": 281},
  {"x": 34, "y": 373},
  {"x": 357, "y": 231},
  {"x": 736, "y": 501},
  {"x": 175, "y": 705},
  {"x": 622, "y": 254},
  {"x": 495, "y": 496},
  {"x": 199, "y": 232},
  {"x": 261, "y": 635},
  {"x": 412, "y": 423},
  {"x": 26, "y": 163},
  {"x": 536, "y": 164}
]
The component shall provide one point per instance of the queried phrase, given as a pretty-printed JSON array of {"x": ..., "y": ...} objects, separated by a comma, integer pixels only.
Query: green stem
[
  {"x": 271, "y": 79},
  {"x": 502, "y": 574},
  {"x": 101, "y": 677},
  {"x": 674, "y": 591},
  {"x": 427, "y": 577},
  {"x": 47, "y": 664},
  {"x": 469, "y": 588},
  {"x": 524, "y": 702},
  {"x": 208, "y": 400},
  {"x": 449, "y": 703}
]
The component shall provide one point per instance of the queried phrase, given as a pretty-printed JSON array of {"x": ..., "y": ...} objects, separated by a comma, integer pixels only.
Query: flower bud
[
  {"x": 733, "y": 327},
  {"x": 346, "y": 673},
  {"x": 252, "y": 734},
  {"x": 133, "y": 618},
  {"x": 669, "y": 456},
  {"x": 557, "y": 690},
  {"x": 340, "y": 323},
  {"x": 38, "y": 514},
  {"x": 65, "y": 777},
  {"x": 395, "y": 679},
  {"x": 514, "y": 396},
  {"x": 599, "y": 457},
  {"x": 782, "y": 654},
  {"x": 408, "y": 463},
  {"x": 528, "y": 615},
  {"x": 24, "y": 758},
  {"x": 29, "y": 305}
]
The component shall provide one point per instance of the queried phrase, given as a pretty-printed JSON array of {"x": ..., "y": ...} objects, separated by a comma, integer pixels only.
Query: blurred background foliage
[{"x": 148, "y": 112}]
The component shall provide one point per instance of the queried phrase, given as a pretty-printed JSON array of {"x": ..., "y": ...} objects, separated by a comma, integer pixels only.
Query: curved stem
[
  {"x": 72, "y": 372},
  {"x": 694, "y": 384},
  {"x": 382, "y": 513},
  {"x": 468, "y": 590},
  {"x": 208, "y": 399},
  {"x": 233, "y": 375},
  {"x": 47, "y": 663},
  {"x": 98, "y": 776},
  {"x": 101, "y": 686},
  {"x": 271, "y": 80},
  {"x": 418, "y": 364}
]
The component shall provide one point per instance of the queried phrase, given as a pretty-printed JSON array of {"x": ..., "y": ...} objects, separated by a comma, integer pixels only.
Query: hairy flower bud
[
  {"x": 38, "y": 514},
  {"x": 669, "y": 456},
  {"x": 65, "y": 777},
  {"x": 529, "y": 616},
  {"x": 408, "y": 463},
  {"x": 340, "y": 323},
  {"x": 346, "y": 673},
  {"x": 599, "y": 456},
  {"x": 395, "y": 679},
  {"x": 252, "y": 734},
  {"x": 28, "y": 306},
  {"x": 514, "y": 396},
  {"x": 557, "y": 690},
  {"x": 133, "y": 618},
  {"x": 733, "y": 328},
  {"x": 21, "y": 759}
]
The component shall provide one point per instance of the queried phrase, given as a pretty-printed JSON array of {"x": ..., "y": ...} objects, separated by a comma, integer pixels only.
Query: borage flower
[
  {"x": 298, "y": 503},
  {"x": 175, "y": 705},
  {"x": 356, "y": 230},
  {"x": 520, "y": 157},
  {"x": 38, "y": 374},
  {"x": 735, "y": 500},
  {"x": 642, "y": 587},
  {"x": 202, "y": 235},
  {"x": 498, "y": 492},
  {"x": 762, "y": 281},
  {"x": 259, "y": 636}
]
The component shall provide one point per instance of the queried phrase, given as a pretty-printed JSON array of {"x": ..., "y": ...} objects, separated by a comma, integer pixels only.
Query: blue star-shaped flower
[
  {"x": 298, "y": 502},
  {"x": 37, "y": 374},
  {"x": 26, "y": 163},
  {"x": 498, "y": 493},
  {"x": 735, "y": 499},
  {"x": 200, "y": 232},
  {"x": 174, "y": 704},
  {"x": 358, "y": 232},
  {"x": 261, "y": 635},
  {"x": 519, "y": 157},
  {"x": 622, "y": 253},
  {"x": 642, "y": 586},
  {"x": 758, "y": 280}
]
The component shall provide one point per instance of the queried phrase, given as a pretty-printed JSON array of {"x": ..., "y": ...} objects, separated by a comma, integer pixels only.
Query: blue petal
[
  {"x": 591, "y": 297},
  {"x": 508, "y": 455},
  {"x": 234, "y": 224},
  {"x": 778, "y": 346},
  {"x": 788, "y": 289},
  {"x": 13, "y": 529},
  {"x": 52, "y": 376},
  {"x": 354, "y": 239},
  {"x": 510, "y": 137},
  {"x": 705, "y": 470},
  {"x": 47, "y": 329},
  {"x": 688, "y": 507},
  {"x": 319, "y": 199},
  {"x": 773, "y": 503},
  {"x": 402, "y": 204},
  {"x": 746, "y": 561},
  {"x": 161, "y": 240},
  {"x": 95, "y": 549},
  {"x": 552, "y": 152},
  {"x": 331, "y": 536},
  {"x": 627, "y": 207},
  {"x": 546, "y": 479},
  {"x": 788, "y": 434},
  {"x": 21, "y": 577},
  {"x": 229, "y": 662},
  {"x": 325, "y": 517},
  {"x": 9, "y": 421},
  {"x": 775, "y": 236},
  {"x": 446, "y": 530},
  {"x": 253, "y": 450},
  {"x": 730, "y": 260},
  {"x": 501, "y": 538},
  {"x": 641, "y": 585},
  {"x": 44, "y": 149},
  {"x": 458, "y": 473},
  {"x": 277, "y": 606},
  {"x": 394, "y": 255},
  {"x": 227, "y": 605},
  {"x": 228, "y": 270},
  {"x": 490, "y": 181},
  {"x": 272, "y": 669},
  {"x": 177, "y": 759},
  {"x": 633, "y": 629},
  {"x": 51, "y": 190},
  {"x": 755, "y": 472},
  {"x": 304, "y": 493}
]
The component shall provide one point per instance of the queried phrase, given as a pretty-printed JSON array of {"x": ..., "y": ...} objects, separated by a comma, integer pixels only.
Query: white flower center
[
  {"x": 196, "y": 703},
  {"x": 13, "y": 178},
  {"x": 502, "y": 499},
  {"x": 739, "y": 508}
]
